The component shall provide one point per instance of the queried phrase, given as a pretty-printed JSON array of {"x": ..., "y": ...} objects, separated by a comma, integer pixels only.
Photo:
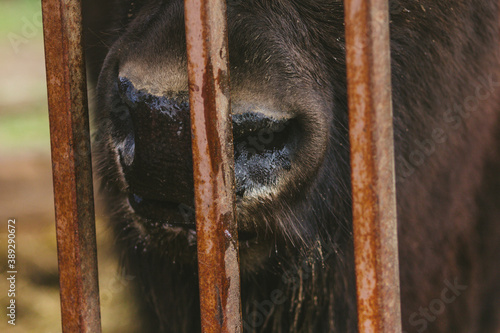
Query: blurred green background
[{"x": 26, "y": 188}]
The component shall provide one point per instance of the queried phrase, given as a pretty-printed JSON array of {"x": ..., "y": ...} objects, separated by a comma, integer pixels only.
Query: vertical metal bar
[
  {"x": 217, "y": 238},
  {"x": 71, "y": 163},
  {"x": 372, "y": 164}
]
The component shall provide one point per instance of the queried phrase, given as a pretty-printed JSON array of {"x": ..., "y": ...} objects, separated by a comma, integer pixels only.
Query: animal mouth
[
  {"x": 158, "y": 210},
  {"x": 173, "y": 216}
]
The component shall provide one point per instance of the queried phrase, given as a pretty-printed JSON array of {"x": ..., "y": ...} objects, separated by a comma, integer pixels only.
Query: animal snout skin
[{"x": 156, "y": 151}]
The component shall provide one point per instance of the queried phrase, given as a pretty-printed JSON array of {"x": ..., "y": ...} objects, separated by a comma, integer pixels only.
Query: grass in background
[
  {"x": 25, "y": 131},
  {"x": 10, "y": 20},
  {"x": 26, "y": 187},
  {"x": 23, "y": 105}
]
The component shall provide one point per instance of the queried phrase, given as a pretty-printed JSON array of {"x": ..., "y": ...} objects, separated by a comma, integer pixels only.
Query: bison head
[{"x": 288, "y": 111}]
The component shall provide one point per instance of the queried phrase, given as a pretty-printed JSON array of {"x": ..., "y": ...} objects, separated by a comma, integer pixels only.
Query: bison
[{"x": 292, "y": 173}]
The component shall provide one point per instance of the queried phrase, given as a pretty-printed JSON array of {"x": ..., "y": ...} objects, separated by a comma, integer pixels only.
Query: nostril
[
  {"x": 264, "y": 149},
  {"x": 256, "y": 133},
  {"x": 255, "y": 123}
]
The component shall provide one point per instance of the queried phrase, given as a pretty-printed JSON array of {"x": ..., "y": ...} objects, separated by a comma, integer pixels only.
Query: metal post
[
  {"x": 71, "y": 163},
  {"x": 213, "y": 161},
  {"x": 372, "y": 164}
]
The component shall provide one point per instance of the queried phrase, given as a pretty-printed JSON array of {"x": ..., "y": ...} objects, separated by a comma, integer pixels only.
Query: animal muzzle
[{"x": 156, "y": 159}]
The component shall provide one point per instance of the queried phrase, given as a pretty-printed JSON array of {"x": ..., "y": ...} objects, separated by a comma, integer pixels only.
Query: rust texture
[
  {"x": 372, "y": 165},
  {"x": 71, "y": 164},
  {"x": 212, "y": 143}
]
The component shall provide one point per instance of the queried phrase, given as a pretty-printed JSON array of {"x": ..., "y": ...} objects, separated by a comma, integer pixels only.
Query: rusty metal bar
[
  {"x": 217, "y": 234},
  {"x": 372, "y": 165},
  {"x": 71, "y": 164}
]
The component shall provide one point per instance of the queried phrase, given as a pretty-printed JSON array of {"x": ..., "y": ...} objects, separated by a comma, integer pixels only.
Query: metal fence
[{"x": 372, "y": 165}]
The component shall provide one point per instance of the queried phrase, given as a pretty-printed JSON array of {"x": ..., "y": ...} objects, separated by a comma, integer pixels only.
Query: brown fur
[{"x": 446, "y": 90}]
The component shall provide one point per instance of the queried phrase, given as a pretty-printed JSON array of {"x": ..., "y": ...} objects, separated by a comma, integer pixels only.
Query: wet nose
[{"x": 156, "y": 155}]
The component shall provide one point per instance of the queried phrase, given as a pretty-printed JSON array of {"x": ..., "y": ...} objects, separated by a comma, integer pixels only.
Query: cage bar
[
  {"x": 71, "y": 165},
  {"x": 213, "y": 165},
  {"x": 372, "y": 165}
]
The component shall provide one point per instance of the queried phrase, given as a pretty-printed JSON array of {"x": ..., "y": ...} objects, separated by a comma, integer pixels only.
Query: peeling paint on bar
[
  {"x": 213, "y": 165},
  {"x": 372, "y": 165},
  {"x": 71, "y": 163}
]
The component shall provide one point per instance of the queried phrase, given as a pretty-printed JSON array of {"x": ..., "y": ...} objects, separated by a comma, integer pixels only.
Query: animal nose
[{"x": 156, "y": 155}]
